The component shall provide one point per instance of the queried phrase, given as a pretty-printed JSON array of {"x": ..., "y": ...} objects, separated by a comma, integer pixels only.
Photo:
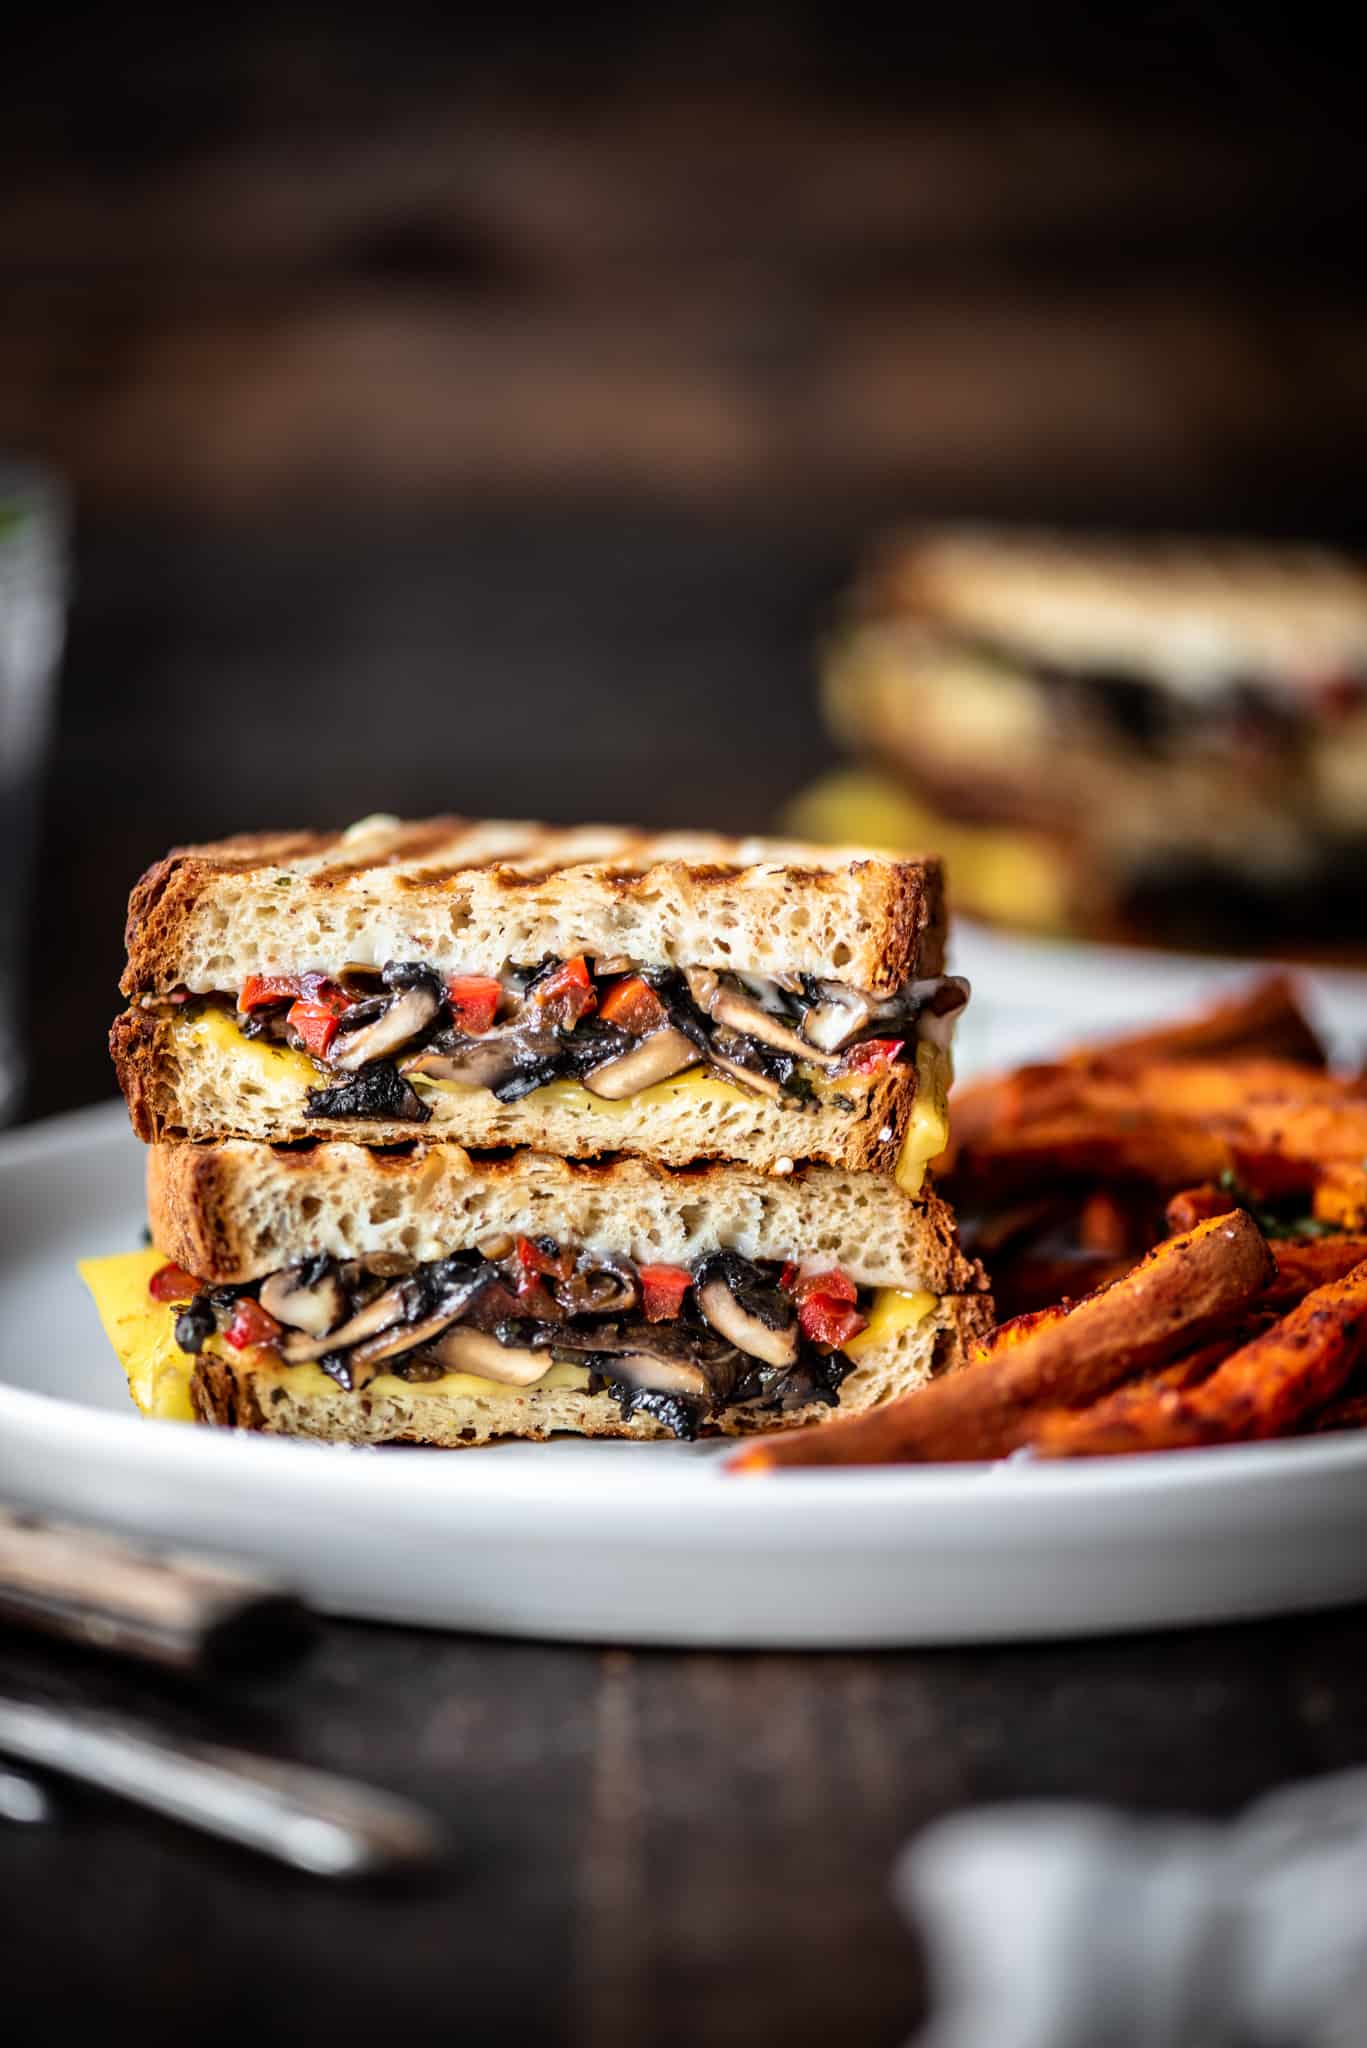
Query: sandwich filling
[
  {"x": 613, "y": 1026},
  {"x": 677, "y": 1343}
]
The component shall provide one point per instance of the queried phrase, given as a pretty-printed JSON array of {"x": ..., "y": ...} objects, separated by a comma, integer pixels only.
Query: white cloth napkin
[{"x": 1053, "y": 1926}]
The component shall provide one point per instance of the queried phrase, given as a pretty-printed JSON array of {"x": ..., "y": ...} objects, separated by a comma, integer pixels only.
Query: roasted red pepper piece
[
  {"x": 662, "y": 1291},
  {"x": 567, "y": 992},
  {"x": 250, "y": 1325},
  {"x": 313, "y": 1018},
  {"x": 533, "y": 1258},
  {"x": 172, "y": 1283},
  {"x": 633, "y": 1005},
  {"x": 828, "y": 1322},
  {"x": 873, "y": 1054},
  {"x": 260, "y": 989},
  {"x": 832, "y": 1282},
  {"x": 474, "y": 1000}
]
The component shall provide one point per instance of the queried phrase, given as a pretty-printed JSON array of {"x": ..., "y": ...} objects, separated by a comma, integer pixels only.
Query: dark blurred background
[{"x": 484, "y": 410}]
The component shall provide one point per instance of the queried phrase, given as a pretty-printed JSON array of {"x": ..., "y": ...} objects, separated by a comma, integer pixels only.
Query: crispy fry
[
  {"x": 1264, "y": 1018},
  {"x": 1340, "y": 1195},
  {"x": 1304, "y": 1264},
  {"x": 1179, "y": 1297},
  {"x": 1136, "y": 1146},
  {"x": 1105, "y": 1429},
  {"x": 1193, "y": 1205},
  {"x": 1261, "y": 1390},
  {"x": 1347, "y": 1411}
]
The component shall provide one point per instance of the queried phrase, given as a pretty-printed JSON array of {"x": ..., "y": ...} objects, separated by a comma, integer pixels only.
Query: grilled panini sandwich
[
  {"x": 422, "y": 1295},
  {"x": 580, "y": 992},
  {"x": 1147, "y": 738}
]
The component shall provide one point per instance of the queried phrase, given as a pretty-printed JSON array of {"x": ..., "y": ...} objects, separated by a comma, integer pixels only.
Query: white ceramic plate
[{"x": 650, "y": 1542}]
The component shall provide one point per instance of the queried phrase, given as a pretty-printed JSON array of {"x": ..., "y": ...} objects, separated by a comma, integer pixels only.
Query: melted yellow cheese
[
  {"x": 892, "y": 1311},
  {"x": 142, "y": 1332},
  {"x": 927, "y": 1131},
  {"x": 573, "y": 1095},
  {"x": 217, "y": 1030}
]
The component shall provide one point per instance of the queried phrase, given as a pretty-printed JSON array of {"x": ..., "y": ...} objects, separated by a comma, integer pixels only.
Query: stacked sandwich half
[{"x": 463, "y": 1131}]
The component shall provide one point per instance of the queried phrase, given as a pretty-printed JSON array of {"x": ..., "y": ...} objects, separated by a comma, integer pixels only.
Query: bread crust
[
  {"x": 234, "y": 1211},
  {"x": 471, "y": 896},
  {"x": 171, "y": 1099},
  {"x": 234, "y": 1394}
]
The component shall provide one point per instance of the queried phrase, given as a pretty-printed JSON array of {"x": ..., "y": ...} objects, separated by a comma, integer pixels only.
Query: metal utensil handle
[
  {"x": 183, "y": 1612},
  {"x": 328, "y": 1826}
]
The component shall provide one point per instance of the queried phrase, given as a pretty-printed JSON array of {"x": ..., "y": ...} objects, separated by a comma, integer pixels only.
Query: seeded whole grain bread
[
  {"x": 235, "y": 1211},
  {"x": 239, "y": 1393},
  {"x": 1184, "y": 612},
  {"x": 179, "y": 1085},
  {"x": 471, "y": 897}
]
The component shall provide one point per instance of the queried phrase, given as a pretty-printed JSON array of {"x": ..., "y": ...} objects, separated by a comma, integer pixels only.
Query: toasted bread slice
[
  {"x": 233, "y": 1211},
  {"x": 197, "y": 1077},
  {"x": 471, "y": 897},
  {"x": 1188, "y": 613}
]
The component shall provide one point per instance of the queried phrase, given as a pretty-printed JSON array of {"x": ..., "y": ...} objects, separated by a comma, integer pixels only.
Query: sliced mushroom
[
  {"x": 746, "y": 1077},
  {"x": 478, "y": 1065},
  {"x": 390, "y": 1307},
  {"x": 757, "y": 1320},
  {"x": 737, "y": 1012},
  {"x": 600, "y": 1284},
  {"x": 407, "y": 1337},
  {"x": 474, "y": 1351},
  {"x": 408, "y": 1014},
  {"x": 833, "y": 1022},
  {"x": 656, "y": 1058},
  {"x": 315, "y": 1306},
  {"x": 661, "y": 1375}
]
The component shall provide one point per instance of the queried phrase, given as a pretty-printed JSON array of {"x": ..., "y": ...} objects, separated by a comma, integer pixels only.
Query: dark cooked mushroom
[
  {"x": 746, "y": 1077},
  {"x": 410, "y": 1012},
  {"x": 378, "y": 1092},
  {"x": 833, "y": 1022},
  {"x": 478, "y": 1063},
  {"x": 475, "y": 1351},
  {"x": 303, "y": 1298},
  {"x": 390, "y": 1343},
  {"x": 656, "y": 1058},
  {"x": 599, "y": 1284},
  {"x": 729, "y": 1007},
  {"x": 661, "y": 1375},
  {"x": 746, "y": 1309},
  {"x": 395, "y": 1305}
]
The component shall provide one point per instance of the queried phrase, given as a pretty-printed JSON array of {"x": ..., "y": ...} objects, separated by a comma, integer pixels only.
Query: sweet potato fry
[
  {"x": 1264, "y": 1389},
  {"x": 1264, "y": 1018},
  {"x": 1193, "y": 1205},
  {"x": 1106, "y": 1428},
  {"x": 1177, "y": 1298},
  {"x": 1304, "y": 1264},
  {"x": 1086, "y": 1146},
  {"x": 1340, "y": 1195},
  {"x": 1108, "y": 1225},
  {"x": 1347, "y": 1411}
]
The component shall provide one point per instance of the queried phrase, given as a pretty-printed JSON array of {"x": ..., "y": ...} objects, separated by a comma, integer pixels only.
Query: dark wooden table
[{"x": 646, "y": 1847}]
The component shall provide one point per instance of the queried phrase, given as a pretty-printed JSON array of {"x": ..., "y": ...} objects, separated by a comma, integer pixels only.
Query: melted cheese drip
[
  {"x": 927, "y": 1131},
  {"x": 142, "y": 1332},
  {"x": 215, "y": 1030},
  {"x": 892, "y": 1312}
]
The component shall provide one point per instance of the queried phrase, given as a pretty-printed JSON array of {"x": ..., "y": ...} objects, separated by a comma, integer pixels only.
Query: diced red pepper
[
  {"x": 474, "y": 1000},
  {"x": 662, "y": 1291},
  {"x": 250, "y": 1325},
  {"x": 567, "y": 992},
  {"x": 557, "y": 1265},
  {"x": 260, "y": 989},
  {"x": 832, "y": 1282},
  {"x": 872, "y": 1054},
  {"x": 788, "y": 1276},
  {"x": 633, "y": 1005},
  {"x": 313, "y": 1018},
  {"x": 828, "y": 1322},
  {"x": 172, "y": 1283}
]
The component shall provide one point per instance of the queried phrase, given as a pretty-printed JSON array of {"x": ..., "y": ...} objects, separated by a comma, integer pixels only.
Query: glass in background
[{"x": 33, "y": 579}]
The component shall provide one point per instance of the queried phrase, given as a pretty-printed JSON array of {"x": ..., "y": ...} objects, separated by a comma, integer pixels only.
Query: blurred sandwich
[
  {"x": 1157, "y": 739},
  {"x": 583, "y": 991},
  {"x": 424, "y": 1296}
]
